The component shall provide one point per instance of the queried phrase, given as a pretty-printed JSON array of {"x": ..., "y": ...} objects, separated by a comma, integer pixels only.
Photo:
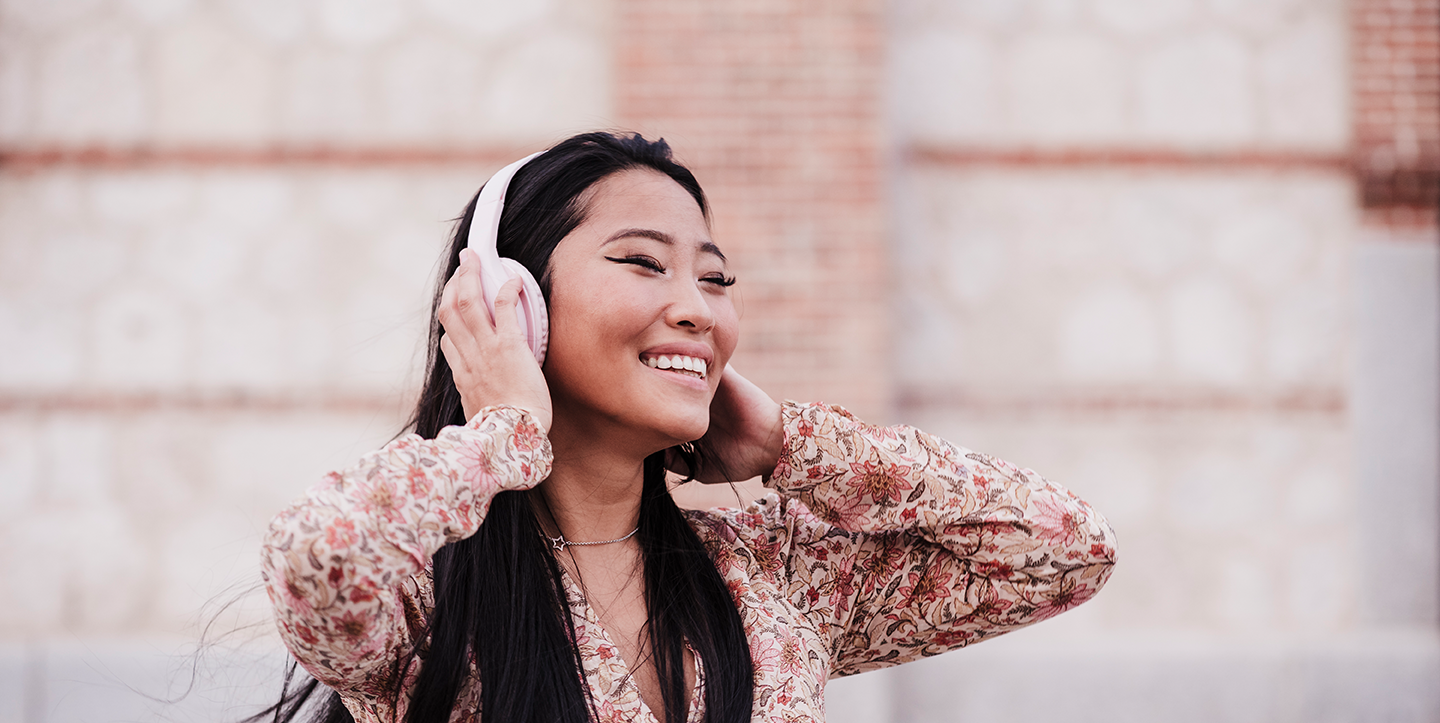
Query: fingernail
[{"x": 463, "y": 254}]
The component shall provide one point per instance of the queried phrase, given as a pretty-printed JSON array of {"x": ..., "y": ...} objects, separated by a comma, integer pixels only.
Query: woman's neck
[{"x": 593, "y": 492}]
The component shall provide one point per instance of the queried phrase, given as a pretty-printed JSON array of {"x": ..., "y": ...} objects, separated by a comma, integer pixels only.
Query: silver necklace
[{"x": 560, "y": 543}]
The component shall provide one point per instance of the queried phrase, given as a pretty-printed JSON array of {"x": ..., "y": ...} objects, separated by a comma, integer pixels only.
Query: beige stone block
[
  {"x": 1065, "y": 87},
  {"x": 78, "y": 458},
  {"x": 109, "y": 568},
  {"x": 274, "y": 22},
  {"x": 207, "y": 559},
  {"x": 1269, "y": 16},
  {"x": 1046, "y": 280},
  {"x": 33, "y": 573},
  {"x": 212, "y": 86},
  {"x": 1210, "y": 509},
  {"x": 864, "y": 698},
  {"x": 329, "y": 72},
  {"x": 944, "y": 85},
  {"x": 1303, "y": 81},
  {"x": 1144, "y": 17},
  {"x": 359, "y": 200},
  {"x": 550, "y": 85},
  {"x": 1176, "y": 677},
  {"x": 92, "y": 88},
  {"x": 1268, "y": 244},
  {"x": 488, "y": 19},
  {"x": 927, "y": 339},
  {"x": 140, "y": 198},
  {"x": 43, "y": 342},
  {"x": 360, "y": 22},
  {"x": 157, "y": 12},
  {"x": 1198, "y": 91},
  {"x": 1306, "y": 331},
  {"x": 1212, "y": 336},
  {"x": 241, "y": 345},
  {"x": 252, "y": 200},
  {"x": 326, "y": 96},
  {"x": 1316, "y": 493},
  {"x": 49, "y": 15},
  {"x": 1246, "y": 594},
  {"x": 20, "y": 465},
  {"x": 1056, "y": 12},
  {"x": 17, "y": 91},
  {"x": 1110, "y": 334},
  {"x": 142, "y": 340},
  {"x": 1157, "y": 235},
  {"x": 988, "y": 15},
  {"x": 77, "y": 567},
  {"x": 161, "y": 463},
  {"x": 1319, "y": 593},
  {"x": 428, "y": 88},
  {"x": 380, "y": 338},
  {"x": 260, "y": 463}
]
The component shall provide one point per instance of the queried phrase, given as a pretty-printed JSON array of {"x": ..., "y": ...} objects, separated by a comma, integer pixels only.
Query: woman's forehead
[{"x": 644, "y": 203}]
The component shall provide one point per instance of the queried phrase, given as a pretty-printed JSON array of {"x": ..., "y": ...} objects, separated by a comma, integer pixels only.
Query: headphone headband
[
  {"x": 495, "y": 271},
  {"x": 485, "y": 223}
]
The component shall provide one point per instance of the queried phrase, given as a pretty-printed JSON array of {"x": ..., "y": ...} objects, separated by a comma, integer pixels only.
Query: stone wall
[
  {"x": 1138, "y": 260},
  {"x": 1179, "y": 255}
]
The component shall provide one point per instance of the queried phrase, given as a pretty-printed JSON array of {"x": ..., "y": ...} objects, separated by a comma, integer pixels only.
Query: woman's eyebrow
[{"x": 662, "y": 237}]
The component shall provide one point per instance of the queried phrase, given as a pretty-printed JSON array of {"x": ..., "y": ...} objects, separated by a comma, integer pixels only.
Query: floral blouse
[{"x": 883, "y": 545}]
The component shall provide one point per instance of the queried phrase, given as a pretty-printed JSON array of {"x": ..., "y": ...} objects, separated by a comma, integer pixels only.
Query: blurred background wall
[{"x": 1179, "y": 255}]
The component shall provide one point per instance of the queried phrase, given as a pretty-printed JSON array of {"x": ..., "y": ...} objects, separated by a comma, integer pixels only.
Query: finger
[
  {"x": 506, "y": 322},
  {"x": 470, "y": 292},
  {"x": 456, "y": 312},
  {"x": 448, "y": 350},
  {"x": 451, "y": 319}
]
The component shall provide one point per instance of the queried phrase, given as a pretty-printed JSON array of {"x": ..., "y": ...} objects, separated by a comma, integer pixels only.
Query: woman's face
[{"x": 636, "y": 287}]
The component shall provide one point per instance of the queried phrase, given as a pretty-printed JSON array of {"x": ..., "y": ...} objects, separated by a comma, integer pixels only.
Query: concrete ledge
[
  {"x": 1379, "y": 677},
  {"x": 1030, "y": 677}
]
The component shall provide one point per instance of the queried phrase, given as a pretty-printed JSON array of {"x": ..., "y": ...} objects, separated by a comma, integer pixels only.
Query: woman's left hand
[{"x": 745, "y": 435}]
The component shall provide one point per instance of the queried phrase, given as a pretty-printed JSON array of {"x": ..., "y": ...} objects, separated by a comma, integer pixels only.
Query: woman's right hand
[{"x": 490, "y": 361}]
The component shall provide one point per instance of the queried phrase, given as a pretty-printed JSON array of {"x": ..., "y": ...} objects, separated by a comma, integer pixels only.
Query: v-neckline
[{"x": 579, "y": 603}]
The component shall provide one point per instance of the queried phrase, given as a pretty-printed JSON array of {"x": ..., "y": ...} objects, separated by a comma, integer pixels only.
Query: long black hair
[{"x": 499, "y": 599}]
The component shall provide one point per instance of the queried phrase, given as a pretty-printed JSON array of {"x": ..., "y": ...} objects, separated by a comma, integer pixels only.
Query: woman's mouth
[{"x": 687, "y": 365}]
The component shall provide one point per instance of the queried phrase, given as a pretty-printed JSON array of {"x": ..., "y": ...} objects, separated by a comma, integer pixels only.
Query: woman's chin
[{"x": 687, "y": 429}]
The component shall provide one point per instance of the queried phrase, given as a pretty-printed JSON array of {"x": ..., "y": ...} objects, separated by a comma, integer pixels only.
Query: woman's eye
[
  {"x": 718, "y": 280},
  {"x": 642, "y": 261}
]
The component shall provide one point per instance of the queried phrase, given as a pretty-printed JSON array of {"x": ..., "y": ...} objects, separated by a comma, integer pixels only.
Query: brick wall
[
  {"x": 1396, "y": 71},
  {"x": 776, "y": 107}
]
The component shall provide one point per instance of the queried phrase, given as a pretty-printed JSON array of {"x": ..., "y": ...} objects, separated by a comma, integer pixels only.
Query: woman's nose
[{"x": 689, "y": 308}]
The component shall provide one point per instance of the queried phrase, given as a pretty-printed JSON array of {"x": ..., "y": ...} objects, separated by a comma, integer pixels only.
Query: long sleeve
[
  {"x": 340, "y": 563},
  {"x": 907, "y": 546}
]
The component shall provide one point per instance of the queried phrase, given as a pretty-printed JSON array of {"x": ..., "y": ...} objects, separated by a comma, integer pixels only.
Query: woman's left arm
[{"x": 922, "y": 546}]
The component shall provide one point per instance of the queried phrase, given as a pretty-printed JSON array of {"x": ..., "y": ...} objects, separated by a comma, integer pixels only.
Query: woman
[{"x": 519, "y": 557}]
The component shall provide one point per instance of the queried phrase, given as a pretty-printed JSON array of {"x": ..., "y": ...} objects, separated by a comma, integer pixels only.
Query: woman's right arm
[{"x": 334, "y": 562}]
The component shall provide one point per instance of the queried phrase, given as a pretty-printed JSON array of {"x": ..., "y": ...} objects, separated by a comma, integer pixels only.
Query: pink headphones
[{"x": 495, "y": 271}]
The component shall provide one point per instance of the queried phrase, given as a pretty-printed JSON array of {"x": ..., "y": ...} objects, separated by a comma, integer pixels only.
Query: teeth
[{"x": 678, "y": 363}]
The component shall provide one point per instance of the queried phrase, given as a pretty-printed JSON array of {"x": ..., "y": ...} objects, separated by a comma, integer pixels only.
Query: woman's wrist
[{"x": 773, "y": 445}]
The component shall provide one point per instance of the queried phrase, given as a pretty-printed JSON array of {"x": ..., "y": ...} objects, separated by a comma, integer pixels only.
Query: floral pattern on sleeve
[
  {"x": 346, "y": 567},
  {"x": 904, "y": 546},
  {"x": 884, "y": 545}
]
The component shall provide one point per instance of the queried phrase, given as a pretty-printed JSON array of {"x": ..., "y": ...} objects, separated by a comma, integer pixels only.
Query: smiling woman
[{"x": 518, "y": 557}]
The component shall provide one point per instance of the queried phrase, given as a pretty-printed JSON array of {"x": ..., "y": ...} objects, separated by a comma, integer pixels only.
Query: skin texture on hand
[
  {"x": 490, "y": 360},
  {"x": 745, "y": 434}
]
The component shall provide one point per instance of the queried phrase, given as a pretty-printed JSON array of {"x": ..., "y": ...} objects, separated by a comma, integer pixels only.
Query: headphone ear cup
[{"x": 534, "y": 318}]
